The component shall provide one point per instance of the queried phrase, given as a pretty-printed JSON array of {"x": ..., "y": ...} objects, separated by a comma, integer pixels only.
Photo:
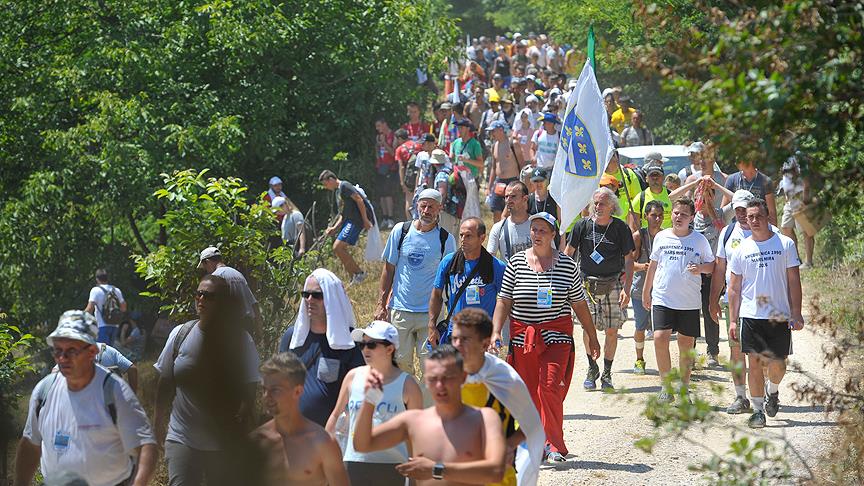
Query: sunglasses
[
  {"x": 372, "y": 344},
  {"x": 203, "y": 294},
  {"x": 314, "y": 295}
]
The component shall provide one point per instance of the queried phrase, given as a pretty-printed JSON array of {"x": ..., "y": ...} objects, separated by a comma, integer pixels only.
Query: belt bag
[
  {"x": 499, "y": 188},
  {"x": 601, "y": 285}
]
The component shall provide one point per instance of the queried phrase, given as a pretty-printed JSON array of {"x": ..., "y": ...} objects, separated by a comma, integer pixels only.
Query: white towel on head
[
  {"x": 532, "y": 120},
  {"x": 340, "y": 313}
]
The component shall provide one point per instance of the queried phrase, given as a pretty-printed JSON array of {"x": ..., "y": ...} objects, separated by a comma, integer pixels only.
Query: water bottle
[{"x": 342, "y": 432}]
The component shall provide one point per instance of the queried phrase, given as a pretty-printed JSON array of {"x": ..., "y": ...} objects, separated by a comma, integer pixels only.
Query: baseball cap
[
  {"x": 608, "y": 180},
  {"x": 655, "y": 156},
  {"x": 546, "y": 217},
  {"x": 531, "y": 77},
  {"x": 465, "y": 123},
  {"x": 275, "y": 180},
  {"x": 517, "y": 80},
  {"x": 551, "y": 117},
  {"x": 498, "y": 124},
  {"x": 430, "y": 194},
  {"x": 209, "y": 252},
  {"x": 438, "y": 157},
  {"x": 493, "y": 97},
  {"x": 741, "y": 198},
  {"x": 428, "y": 137},
  {"x": 606, "y": 92},
  {"x": 695, "y": 147},
  {"x": 446, "y": 106},
  {"x": 277, "y": 202},
  {"x": 497, "y": 76},
  {"x": 507, "y": 99},
  {"x": 653, "y": 166},
  {"x": 77, "y": 325},
  {"x": 379, "y": 330},
  {"x": 531, "y": 99},
  {"x": 539, "y": 174}
]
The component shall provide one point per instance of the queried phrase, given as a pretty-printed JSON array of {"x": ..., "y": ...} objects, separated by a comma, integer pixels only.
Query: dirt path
[{"x": 600, "y": 428}]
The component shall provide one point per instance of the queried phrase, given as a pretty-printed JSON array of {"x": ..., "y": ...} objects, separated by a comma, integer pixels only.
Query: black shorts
[
  {"x": 771, "y": 339},
  {"x": 685, "y": 322}
]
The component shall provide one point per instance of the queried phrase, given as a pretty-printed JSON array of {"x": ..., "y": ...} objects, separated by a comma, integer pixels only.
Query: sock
[
  {"x": 607, "y": 365},
  {"x": 758, "y": 403},
  {"x": 773, "y": 387},
  {"x": 591, "y": 363},
  {"x": 741, "y": 391}
]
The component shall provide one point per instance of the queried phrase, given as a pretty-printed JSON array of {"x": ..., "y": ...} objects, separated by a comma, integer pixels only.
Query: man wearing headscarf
[
  {"x": 273, "y": 192},
  {"x": 321, "y": 338}
]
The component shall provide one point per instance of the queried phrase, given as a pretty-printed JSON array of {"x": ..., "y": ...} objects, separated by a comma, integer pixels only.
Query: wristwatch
[{"x": 438, "y": 471}]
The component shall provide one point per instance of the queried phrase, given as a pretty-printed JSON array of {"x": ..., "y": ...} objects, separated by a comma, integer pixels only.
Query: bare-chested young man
[
  {"x": 299, "y": 451},
  {"x": 507, "y": 162},
  {"x": 451, "y": 443}
]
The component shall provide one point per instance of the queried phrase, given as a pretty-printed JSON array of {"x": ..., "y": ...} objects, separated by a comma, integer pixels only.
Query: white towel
[
  {"x": 340, "y": 313},
  {"x": 532, "y": 120},
  {"x": 505, "y": 384}
]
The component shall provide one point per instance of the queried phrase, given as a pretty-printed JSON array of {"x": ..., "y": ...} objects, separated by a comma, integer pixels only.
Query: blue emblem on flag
[{"x": 577, "y": 144}]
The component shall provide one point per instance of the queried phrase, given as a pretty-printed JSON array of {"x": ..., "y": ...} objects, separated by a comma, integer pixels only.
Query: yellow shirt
[
  {"x": 621, "y": 118},
  {"x": 663, "y": 197},
  {"x": 633, "y": 189},
  {"x": 477, "y": 395}
]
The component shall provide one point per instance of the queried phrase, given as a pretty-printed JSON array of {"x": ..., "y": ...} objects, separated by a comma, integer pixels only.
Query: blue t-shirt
[
  {"x": 483, "y": 297},
  {"x": 416, "y": 266},
  {"x": 325, "y": 369}
]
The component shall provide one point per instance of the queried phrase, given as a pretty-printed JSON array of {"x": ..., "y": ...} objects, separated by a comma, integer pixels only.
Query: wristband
[{"x": 374, "y": 396}]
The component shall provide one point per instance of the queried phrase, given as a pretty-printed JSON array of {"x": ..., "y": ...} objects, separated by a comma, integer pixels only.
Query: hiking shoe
[
  {"x": 713, "y": 362},
  {"x": 772, "y": 404},
  {"x": 555, "y": 457},
  {"x": 606, "y": 381},
  {"x": 740, "y": 405},
  {"x": 590, "y": 382},
  {"x": 639, "y": 367},
  {"x": 649, "y": 335},
  {"x": 664, "y": 396},
  {"x": 358, "y": 278},
  {"x": 756, "y": 421}
]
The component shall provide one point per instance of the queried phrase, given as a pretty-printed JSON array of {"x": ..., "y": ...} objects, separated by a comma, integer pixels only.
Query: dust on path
[{"x": 600, "y": 428}]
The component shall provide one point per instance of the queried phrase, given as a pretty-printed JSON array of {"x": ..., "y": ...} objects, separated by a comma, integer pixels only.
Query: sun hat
[
  {"x": 379, "y": 330},
  {"x": 695, "y": 147},
  {"x": 77, "y": 325},
  {"x": 277, "y": 202},
  {"x": 741, "y": 198},
  {"x": 438, "y": 157}
]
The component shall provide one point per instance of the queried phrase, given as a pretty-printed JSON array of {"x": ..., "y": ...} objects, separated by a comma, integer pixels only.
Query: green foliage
[
  {"x": 204, "y": 211},
  {"x": 15, "y": 365},
  {"x": 100, "y": 97},
  {"x": 748, "y": 462}
]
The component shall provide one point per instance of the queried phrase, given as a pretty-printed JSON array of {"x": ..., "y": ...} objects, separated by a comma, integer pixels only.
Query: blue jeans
[{"x": 107, "y": 334}]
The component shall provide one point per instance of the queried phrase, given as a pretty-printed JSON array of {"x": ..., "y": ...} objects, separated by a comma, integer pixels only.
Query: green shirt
[
  {"x": 472, "y": 150},
  {"x": 633, "y": 189},
  {"x": 639, "y": 205}
]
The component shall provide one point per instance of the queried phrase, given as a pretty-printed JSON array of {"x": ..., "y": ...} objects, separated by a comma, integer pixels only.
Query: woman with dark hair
[
  {"x": 208, "y": 373},
  {"x": 378, "y": 342},
  {"x": 541, "y": 286}
]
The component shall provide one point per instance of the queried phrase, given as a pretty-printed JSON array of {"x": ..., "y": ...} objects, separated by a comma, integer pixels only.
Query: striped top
[{"x": 521, "y": 285}]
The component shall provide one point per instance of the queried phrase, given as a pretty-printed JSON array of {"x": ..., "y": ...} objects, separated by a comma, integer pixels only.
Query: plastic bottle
[{"x": 342, "y": 431}]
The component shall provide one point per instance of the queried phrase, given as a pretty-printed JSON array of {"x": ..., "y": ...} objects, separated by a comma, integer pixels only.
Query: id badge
[
  {"x": 596, "y": 256},
  {"x": 472, "y": 295},
  {"x": 544, "y": 297},
  {"x": 61, "y": 442}
]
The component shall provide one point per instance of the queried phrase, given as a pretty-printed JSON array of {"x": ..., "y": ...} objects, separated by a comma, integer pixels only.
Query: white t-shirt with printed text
[
  {"x": 764, "y": 285},
  {"x": 674, "y": 287},
  {"x": 737, "y": 235}
]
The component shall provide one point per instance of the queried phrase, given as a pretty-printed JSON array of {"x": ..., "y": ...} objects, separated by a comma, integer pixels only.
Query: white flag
[{"x": 584, "y": 149}]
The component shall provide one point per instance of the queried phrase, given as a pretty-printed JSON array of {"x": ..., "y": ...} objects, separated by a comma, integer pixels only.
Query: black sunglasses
[
  {"x": 205, "y": 295},
  {"x": 314, "y": 295},
  {"x": 372, "y": 344}
]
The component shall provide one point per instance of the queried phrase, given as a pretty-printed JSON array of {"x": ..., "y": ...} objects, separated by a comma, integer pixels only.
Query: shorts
[
  {"x": 605, "y": 311},
  {"x": 684, "y": 322},
  {"x": 641, "y": 317},
  {"x": 494, "y": 201},
  {"x": 374, "y": 473},
  {"x": 771, "y": 339},
  {"x": 350, "y": 232},
  {"x": 788, "y": 219},
  {"x": 107, "y": 335}
]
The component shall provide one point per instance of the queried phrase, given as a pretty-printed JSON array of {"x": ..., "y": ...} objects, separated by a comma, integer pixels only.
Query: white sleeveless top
[{"x": 391, "y": 405}]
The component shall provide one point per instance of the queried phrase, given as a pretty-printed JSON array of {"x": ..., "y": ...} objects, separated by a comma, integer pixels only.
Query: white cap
[
  {"x": 380, "y": 330},
  {"x": 430, "y": 194},
  {"x": 209, "y": 252},
  {"x": 277, "y": 202},
  {"x": 275, "y": 180},
  {"x": 606, "y": 92},
  {"x": 741, "y": 198},
  {"x": 695, "y": 147}
]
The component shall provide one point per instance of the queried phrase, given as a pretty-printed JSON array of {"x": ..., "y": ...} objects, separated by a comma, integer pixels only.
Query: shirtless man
[
  {"x": 298, "y": 451},
  {"x": 452, "y": 443},
  {"x": 505, "y": 169}
]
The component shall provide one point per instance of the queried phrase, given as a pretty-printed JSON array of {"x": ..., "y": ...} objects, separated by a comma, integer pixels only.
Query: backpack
[
  {"x": 457, "y": 194},
  {"x": 411, "y": 169},
  {"x": 406, "y": 226},
  {"x": 46, "y": 384},
  {"x": 110, "y": 310}
]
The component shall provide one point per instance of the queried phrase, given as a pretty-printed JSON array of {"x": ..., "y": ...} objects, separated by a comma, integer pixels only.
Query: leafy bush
[{"x": 15, "y": 365}]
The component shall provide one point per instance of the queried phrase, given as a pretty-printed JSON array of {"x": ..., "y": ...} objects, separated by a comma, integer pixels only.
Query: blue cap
[
  {"x": 551, "y": 117},
  {"x": 545, "y": 217},
  {"x": 498, "y": 124}
]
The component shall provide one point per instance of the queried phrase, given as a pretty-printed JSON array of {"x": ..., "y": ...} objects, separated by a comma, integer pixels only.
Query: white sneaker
[
  {"x": 649, "y": 335},
  {"x": 358, "y": 278}
]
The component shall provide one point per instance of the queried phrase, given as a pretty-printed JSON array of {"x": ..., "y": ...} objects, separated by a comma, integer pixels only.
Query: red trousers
[{"x": 547, "y": 371}]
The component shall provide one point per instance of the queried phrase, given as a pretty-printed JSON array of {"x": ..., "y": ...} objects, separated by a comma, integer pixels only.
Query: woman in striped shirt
[{"x": 541, "y": 285}]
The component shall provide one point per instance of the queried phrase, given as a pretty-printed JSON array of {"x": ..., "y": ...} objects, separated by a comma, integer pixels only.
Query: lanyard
[{"x": 594, "y": 234}]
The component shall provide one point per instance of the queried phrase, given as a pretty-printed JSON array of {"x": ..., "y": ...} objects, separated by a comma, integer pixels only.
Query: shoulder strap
[
  {"x": 728, "y": 234},
  {"x": 108, "y": 396},
  {"x": 42, "y": 389},
  {"x": 442, "y": 235},
  {"x": 641, "y": 204},
  {"x": 461, "y": 290},
  {"x": 507, "y": 245},
  {"x": 406, "y": 226},
  {"x": 181, "y": 336}
]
